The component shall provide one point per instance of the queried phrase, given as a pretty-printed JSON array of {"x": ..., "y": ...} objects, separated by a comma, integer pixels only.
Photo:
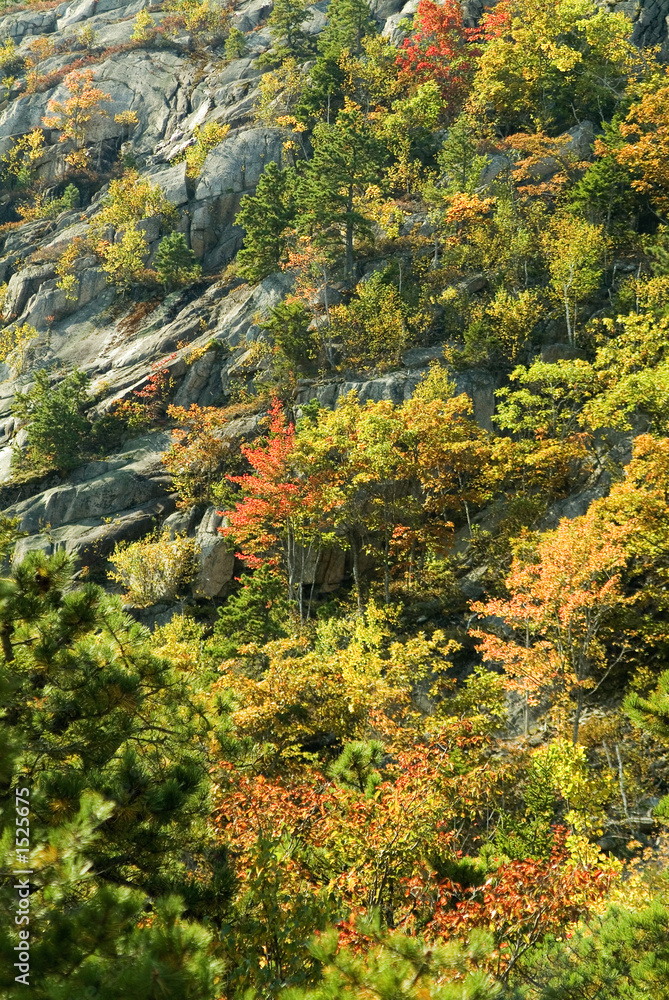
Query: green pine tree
[
  {"x": 349, "y": 21},
  {"x": 347, "y": 158},
  {"x": 459, "y": 161},
  {"x": 604, "y": 194},
  {"x": 58, "y": 429},
  {"x": 347, "y": 24},
  {"x": 265, "y": 217},
  {"x": 256, "y": 613},
  {"x": 323, "y": 95},
  {"x": 652, "y": 715},
  {"x": 286, "y": 22},
  {"x": 91, "y": 940},
  {"x": 235, "y": 44},
  {"x": 358, "y": 765},
  {"x": 398, "y": 966},
  {"x": 623, "y": 955},
  {"x": 175, "y": 261},
  {"x": 288, "y": 324},
  {"x": 92, "y": 708}
]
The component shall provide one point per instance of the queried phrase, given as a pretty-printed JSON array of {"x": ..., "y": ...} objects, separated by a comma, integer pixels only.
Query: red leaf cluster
[{"x": 439, "y": 49}]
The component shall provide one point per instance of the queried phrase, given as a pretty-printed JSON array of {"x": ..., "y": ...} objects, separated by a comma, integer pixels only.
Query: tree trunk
[
  {"x": 355, "y": 553},
  {"x": 349, "y": 232},
  {"x": 577, "y": 717},
  {"x": 7, "y": 649}
]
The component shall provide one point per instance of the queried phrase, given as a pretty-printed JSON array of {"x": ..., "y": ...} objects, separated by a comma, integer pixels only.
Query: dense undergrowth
[{"x": 446, "y": 775}]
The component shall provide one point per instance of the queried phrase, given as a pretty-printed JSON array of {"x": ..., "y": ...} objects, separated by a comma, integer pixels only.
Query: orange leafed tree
[
  {"x": 562, "y": 596},
  {"x": 520, "y": 903},
  {"x": 295, "y": 841},
  {"x": 646, "y": 151},
  {"x": 276, "y": 517},
  {"x": 72, "y": 116}
]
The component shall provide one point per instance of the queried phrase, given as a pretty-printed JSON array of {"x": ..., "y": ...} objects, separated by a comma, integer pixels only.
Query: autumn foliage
[
  {"x": 439, "y": 49},
  {"x": 380, "y": 708},
  {"x": 72, "y": 116}
]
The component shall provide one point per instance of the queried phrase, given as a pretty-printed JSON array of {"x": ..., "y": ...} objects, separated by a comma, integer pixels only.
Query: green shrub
[
  {"x": 235, "y": 44},
  {"x": 123, "y": 261},
  {"x": 153, "y": 569},
  {"x": 175, "y": 261},
  {"x": 58, "y": 430},
  {"x": 289, "y": 324}
]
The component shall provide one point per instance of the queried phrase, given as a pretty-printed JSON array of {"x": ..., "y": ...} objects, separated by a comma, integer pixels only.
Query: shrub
[
  {"x": 145, "y": 27},
  {"x": 40, "y": 49},
  {"x": 131, "y": 199},
  {"x": 206, "y": 138},
  {"x": 44, "y": 207},
  {"x": 20, "y": 161},
  {"x": 235, "y": 44},
  {"x": 15, "y": 346},
  {"x": 199, "y": 17},
  {"x": 87, "y": 37},
  {"x": 175, "y": 261},
  {"x": 11, "y": 61},
  {"x": 123, "y": 262},
  {"x": 280, "y": 91},
  {"x": 144, "y": 407},
  {"x": 200, "y": 454},
  {"x": 372, "y": 327},
  {"x": 67, "y": 279},
  {"x": 128, "y": 119},
  {"x": 57, "y": 428},
  {"x": 153, "y": 569}
]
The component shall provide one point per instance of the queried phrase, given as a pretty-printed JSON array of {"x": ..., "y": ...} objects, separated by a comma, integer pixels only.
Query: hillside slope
[{"x": 160, "y": 90}]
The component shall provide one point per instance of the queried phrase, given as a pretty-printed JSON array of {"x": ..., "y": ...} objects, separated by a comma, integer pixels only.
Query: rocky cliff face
[{"x": 171, "y": 89}]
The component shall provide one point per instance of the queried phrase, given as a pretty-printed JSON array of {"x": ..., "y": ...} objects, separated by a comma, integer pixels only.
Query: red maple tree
[
  {"x": 440, "y": 48},
  {"x": 276, "y": 519}
]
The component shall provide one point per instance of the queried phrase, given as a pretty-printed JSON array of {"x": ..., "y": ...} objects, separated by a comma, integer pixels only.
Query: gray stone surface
[
  {"x": 215, "y": 557},
  {"x": 399, "y": 386},
  {"x": 236, "y": 164}
]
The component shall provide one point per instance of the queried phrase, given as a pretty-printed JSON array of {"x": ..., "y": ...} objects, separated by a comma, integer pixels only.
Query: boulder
[
  {"x": 182, "y": 522},
  {"x": 550, "y": 353},
  {"x": 197, "y": 379},
  {"x": 236, "y": 164},
  {"x": 99, "y": 489},
  {"x": 215, "y": 558},
  {"x": 92, "y": 540},
  {"x": 28, "y": 23},
  {"x": 250, "y": 13},
  {"x": 103, "y": 496},
  {"x": 24, "y": 284},
  {"x": 493, "y": 168},
  {"x": 391, "y": 29},
  {"x": 234, "y": 317},
  {"x": 146, "y": 82}
]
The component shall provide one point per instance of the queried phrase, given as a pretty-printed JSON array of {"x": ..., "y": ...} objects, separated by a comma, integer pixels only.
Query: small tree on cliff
[{"x": 72, "y": 116}]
